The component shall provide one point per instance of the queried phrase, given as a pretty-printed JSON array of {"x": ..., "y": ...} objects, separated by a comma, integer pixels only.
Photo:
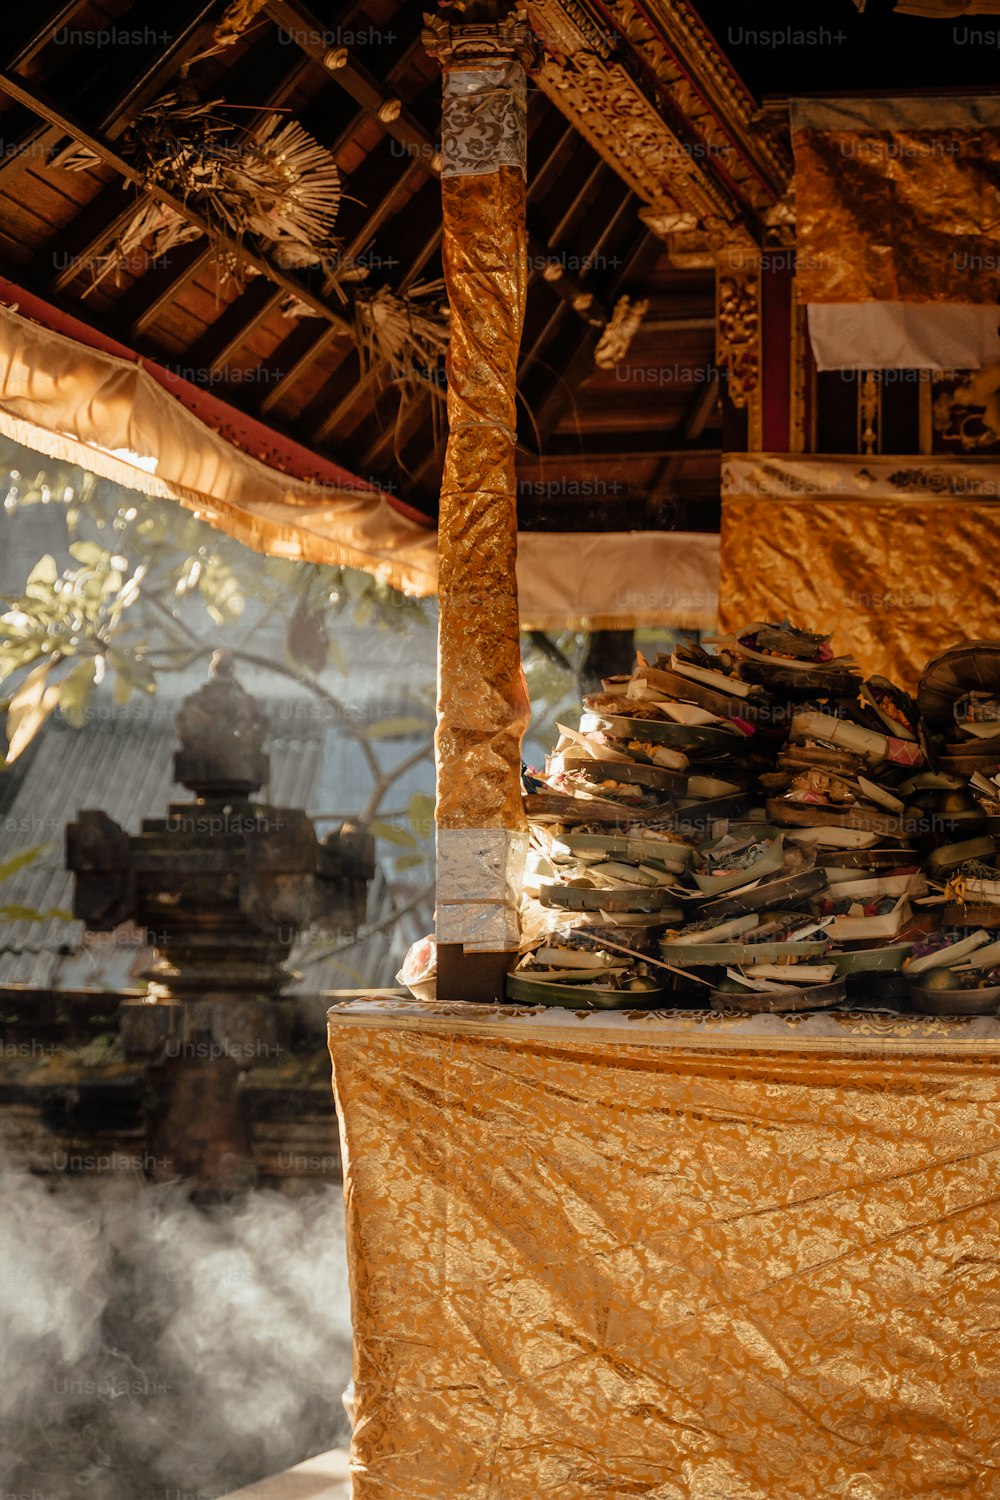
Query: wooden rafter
[
  {"x": 530, "y": 356},
  {"x": 238, "y": 321},
  {"x": 580, "y": 361},
  {"x": 702, "y": 408},
  {"x": 42, "y": 35}
]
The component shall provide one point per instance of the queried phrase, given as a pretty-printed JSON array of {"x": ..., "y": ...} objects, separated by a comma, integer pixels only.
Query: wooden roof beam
[
  {"x": 608, "y": 451},
  {"x": 580, "y": 361},
  {"x": 89, "y": 233},
  {"x": 704, "y": 324},
  {"x": 543, "y": 340},
  {"x": 34, "y": 43},
  {"x": 310, "y": 35},
  {"x": 147, "y": 298},
  {"x": 583, "y": 300},
  {"x": 33, "y": 149},
  {"x": 629, "y": 447},
  {"x": 239, "y": 320},
  {"x": 702, "y": 407},
  {"x": 292, "y": 358}
]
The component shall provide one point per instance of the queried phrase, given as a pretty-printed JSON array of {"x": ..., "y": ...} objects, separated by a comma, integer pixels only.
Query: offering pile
[{"x": 761, "y": 828}]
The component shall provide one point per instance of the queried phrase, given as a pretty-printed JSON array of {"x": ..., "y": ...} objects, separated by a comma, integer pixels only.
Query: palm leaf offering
[
  {"x": 788, "y": 835},
  {"x": 277, "y": 183},
  {"x": 408, "y": 333}
]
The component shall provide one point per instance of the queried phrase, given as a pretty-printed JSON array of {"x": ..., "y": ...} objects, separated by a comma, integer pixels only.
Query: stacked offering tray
[{"x": 757, "y": 827}]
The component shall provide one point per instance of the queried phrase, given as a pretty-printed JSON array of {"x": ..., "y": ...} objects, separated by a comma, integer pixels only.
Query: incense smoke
[{"x": 160, "y": 1350}]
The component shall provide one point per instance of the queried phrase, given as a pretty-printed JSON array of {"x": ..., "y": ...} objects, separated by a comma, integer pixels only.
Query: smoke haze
[{"x": 156, "y": 1349}]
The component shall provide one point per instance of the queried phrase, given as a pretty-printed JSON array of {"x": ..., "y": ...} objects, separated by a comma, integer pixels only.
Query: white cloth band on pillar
[
  {"x": 479, "y": 874},
  {"x": 485, "y": 120}
]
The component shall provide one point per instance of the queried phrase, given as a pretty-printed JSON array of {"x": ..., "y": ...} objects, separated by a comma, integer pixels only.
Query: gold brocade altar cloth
[{"x": 670, "y": 1254}]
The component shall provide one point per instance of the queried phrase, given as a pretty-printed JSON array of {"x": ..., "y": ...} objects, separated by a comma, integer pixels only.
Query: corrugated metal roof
[
  {"x": 122, "y": 763},
  {"x": 118, "y": 763}
]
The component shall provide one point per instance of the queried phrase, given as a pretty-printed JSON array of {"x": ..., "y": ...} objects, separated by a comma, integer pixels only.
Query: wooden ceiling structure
[{"x": 648, "y": 161}]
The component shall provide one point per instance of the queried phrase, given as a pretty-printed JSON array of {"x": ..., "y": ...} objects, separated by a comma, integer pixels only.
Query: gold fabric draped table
[{"x": 670, "y": 1254}]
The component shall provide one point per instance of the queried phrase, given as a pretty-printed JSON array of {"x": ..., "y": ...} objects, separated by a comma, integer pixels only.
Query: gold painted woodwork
[{"x": 629, "y": 130}]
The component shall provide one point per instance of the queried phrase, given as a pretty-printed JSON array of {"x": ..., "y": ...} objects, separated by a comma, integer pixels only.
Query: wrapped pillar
[{"x": 482, "y": 696}]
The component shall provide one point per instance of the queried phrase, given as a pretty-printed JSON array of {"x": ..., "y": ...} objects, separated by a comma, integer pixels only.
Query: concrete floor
[{"x": 325, "y": 1477}]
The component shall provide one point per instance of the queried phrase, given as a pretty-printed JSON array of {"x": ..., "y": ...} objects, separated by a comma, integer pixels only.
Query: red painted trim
[
  {"x": 776, "y": 348},
  {"x": 244, "y": 432}
]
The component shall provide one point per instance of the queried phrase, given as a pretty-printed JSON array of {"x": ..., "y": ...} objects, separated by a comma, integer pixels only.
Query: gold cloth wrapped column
[{"x": 482, "y": 697}]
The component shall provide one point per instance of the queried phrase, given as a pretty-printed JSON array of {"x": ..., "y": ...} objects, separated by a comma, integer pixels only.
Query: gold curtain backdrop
[
  {"x": 897, "y": 200},
  {"x": 898, "y": 230},
  {"x": 669, "y": 1255},
  {"x": 891, "y": 555}
]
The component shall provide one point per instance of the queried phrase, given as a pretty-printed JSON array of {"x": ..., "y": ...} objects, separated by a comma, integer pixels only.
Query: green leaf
[
  {"x": 18, "y": 861},
  {"x": 392, "y": 834},
  {"x": 29, "y": 707},
  {"x": 396, "y": 729},
  {"x": 89, "y": 553},
  {"x": 408, "y": 861},
  {"x": 75, "y": 692},
  {"x": 45, "y": 571},
  {"x": 123, "y": 689},
  {"x": 420, "y": 814},
  {"x": 335, "y": 658}
]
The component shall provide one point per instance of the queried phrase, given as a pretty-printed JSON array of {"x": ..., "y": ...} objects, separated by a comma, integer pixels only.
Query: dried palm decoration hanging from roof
[
  {"x": 409, "y": 334},
  {"x": 277, "y": 184},
  {"x": 281, "y": 186}
]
